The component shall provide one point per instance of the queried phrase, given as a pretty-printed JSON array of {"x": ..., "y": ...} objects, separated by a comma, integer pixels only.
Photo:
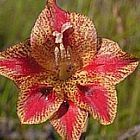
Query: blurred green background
[{"x": 118, "y": 20}]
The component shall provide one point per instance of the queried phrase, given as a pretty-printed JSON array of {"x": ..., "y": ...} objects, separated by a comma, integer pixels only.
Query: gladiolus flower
[{"x": 65, "y": 72}]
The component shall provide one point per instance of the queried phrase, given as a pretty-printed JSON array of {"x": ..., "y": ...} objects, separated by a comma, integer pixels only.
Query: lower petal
[
  {"x": 70, "y": 121},
  {"x": 98, "y": 97},
  {"x": 37, "y": 103}
]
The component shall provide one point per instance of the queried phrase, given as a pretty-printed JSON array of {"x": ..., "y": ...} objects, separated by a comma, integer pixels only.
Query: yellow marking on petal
[{"x": 83, "y": 39}]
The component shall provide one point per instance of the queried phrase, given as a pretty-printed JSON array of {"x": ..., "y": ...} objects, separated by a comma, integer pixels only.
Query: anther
[
  {"x": 58, "y": 37},
  {"x": 62, "y": 51},
  {"x": 65, "y": 27},
  {"x": 68, "y": 53}
]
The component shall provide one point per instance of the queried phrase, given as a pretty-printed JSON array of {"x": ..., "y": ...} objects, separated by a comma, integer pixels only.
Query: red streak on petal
[
  {"x": 106, "y": 64},
  {"x": 66, "y": 34},
  {"x": 71, "y": 123},
  {"x": 95, "y": 97},
  {"x": 36, "y": 104},
  {"x": 21, "y": 66},
  {"x": 68, "y": 116},
  {"x": 100, "y": 103},
  {"x": 62, "y": 110},
  {"x": 70, "y": 119},
  {"x": 60, "y": 18}
]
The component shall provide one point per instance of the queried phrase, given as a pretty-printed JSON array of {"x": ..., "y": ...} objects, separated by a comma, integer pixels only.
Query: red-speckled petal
[
  {"x": 42, "y": 40},
  {"x": 100, "y": 100},
  {"x": 83, "y": 39},
  {"x": 96, "y": 95},
  {"x": 16, "y": 62},
  {"x": 51, "y": 19},
  {"x": 112, "y": 62},
  {"x": 79, "y": 36},
  {"x": 37, "y": 103},
  {"x": 69, "y": 121}
]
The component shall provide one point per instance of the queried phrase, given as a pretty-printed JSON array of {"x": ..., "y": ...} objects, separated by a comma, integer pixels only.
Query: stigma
[{"x": 62, "y": 54}]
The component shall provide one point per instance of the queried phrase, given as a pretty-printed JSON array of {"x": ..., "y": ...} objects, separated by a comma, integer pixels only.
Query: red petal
[
  {"x": 37, "y": 103},
  {"x": 97, "y": 97},
  {"x": 81, "y": 37},
  {"x": 112, "y": 62},
  {"x": 51, "y": 19},
  {"x": 42, "y": 40},
  {"x": 70, "y": 121},
  {"x": 16, "y": 62}
]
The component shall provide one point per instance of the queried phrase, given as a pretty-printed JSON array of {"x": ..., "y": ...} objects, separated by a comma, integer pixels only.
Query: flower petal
[
  {"x": 83, "y": 39},
  {"x": 16, "y": 62},
  {"x": 70, "y": 121},
  {"x": 96, "y": 95},
  {"x": 99, "y": 99},
  {"x": 112, "y": 62},
  {"x": 79, "y": 35},
  {"x": 37, "y": 103},
  {"x": 51, "y": 19},
  {"x": 42, "y": 40}
]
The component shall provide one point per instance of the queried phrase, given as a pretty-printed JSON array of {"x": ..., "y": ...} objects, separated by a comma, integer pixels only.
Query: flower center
[{"x": 63, "y": 54}]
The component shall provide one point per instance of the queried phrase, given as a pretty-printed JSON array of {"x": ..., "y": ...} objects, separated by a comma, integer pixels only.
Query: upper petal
[
  {"x": 81, "y": 37},
  {"x": 37, "y": 102},
  {"x": 16, "y": 62},
  {"x": 42, "y": 40},
  {"x": 51, "y": 19},
  {"x": 69, "y": 121},
  {"x": 112, "y": 62}
]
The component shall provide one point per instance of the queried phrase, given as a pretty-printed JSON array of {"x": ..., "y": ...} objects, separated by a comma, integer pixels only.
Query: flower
[{"x": 66, "y": 73}]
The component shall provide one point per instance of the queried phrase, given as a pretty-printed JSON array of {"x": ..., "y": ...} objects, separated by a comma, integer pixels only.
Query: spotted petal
[
  {"x": 81, "y": 37},
  {"x": 37, "y": 103},
  {"x": 99, "y": 99},
  {"x": 96, "y": 95},
  {"x": 69, "y": 121},
  {"x": 17, "y": 63},
  {"x": 51, "y": 19},
  {"x": 112, "y": 62},
  {"x": 43, "y": 42}
]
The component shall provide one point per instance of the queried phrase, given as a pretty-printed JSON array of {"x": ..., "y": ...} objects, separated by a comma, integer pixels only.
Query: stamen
[
  {"x": 68, "y": 53},
  {"x": 58, "y": 37},
  {"x": 56, "y": 52},
  {"x": 65, "y": 27},
  {"x": 62, "y": 51}
]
